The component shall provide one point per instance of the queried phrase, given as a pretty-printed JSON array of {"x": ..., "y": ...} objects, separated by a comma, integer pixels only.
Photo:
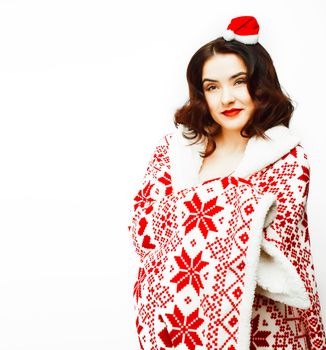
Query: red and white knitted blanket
[{"x": 225, "y": 264}]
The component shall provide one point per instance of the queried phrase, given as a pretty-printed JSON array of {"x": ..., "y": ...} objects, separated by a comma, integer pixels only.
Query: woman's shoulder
[
  {"x": 292, "y": 169},
  {"x": 160, "y": 150},
  {"x": 284, "y": 147},
  {"x": 296, "y": 156},
  {"x": 163, "y": 142}
]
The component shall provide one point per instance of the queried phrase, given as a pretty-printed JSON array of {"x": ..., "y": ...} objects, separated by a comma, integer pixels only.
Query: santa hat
[{"x": 244, "y": 29}]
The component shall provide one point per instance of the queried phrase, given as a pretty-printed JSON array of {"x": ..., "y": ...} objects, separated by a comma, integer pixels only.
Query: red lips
[{"x": 232, "y": 112}]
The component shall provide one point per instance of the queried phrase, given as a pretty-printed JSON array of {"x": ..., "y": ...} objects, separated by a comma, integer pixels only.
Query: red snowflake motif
[
  {"x": 143, "y": 197},
  {"x": 258, "y": 338},
  {"x": 184, "y": 328},
  {"x": 201, "y": 215},
  {"x": 189, "y": 273}
]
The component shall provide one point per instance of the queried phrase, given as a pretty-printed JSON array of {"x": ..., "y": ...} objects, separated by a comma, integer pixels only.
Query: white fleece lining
[
  {"x": 279, "y": 279},
  {"x": 271, "y": 214},
  {"x": 186, "y": 161},
  {"x": 260, "y": 153},
  {"x": 252, "y": 260}
]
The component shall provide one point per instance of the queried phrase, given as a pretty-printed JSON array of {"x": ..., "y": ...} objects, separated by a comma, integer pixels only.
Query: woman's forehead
[
  {"x": 226, "y": 70},
  {"x": 224, "y": 66}
]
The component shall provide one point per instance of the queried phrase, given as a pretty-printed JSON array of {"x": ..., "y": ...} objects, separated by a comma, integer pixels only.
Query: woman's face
[{"x": 225, "y": 87}]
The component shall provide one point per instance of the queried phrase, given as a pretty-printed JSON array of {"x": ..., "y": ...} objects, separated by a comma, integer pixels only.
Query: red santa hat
[{"x": 244, "y": 29}]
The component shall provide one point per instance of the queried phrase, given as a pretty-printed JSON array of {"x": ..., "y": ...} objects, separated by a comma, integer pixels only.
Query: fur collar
[{"x": 186, "y": 161}]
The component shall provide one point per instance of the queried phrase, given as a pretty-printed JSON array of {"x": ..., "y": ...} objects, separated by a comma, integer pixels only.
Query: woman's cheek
[{"x": 212, "y": 100}]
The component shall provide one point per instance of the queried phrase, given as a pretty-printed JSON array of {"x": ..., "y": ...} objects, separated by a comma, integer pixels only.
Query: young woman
[{"x": 220, "y": 224}]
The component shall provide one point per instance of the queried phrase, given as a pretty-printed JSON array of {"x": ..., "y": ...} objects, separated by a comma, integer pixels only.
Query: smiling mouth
[{"x": 232, "y": 112}]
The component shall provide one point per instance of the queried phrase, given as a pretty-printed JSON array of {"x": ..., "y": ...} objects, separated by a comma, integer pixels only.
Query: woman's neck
[{"x": 229, "y": 142}]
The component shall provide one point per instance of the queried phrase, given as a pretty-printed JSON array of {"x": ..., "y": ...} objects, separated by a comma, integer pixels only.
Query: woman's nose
[{"x": 227, "y": 96}]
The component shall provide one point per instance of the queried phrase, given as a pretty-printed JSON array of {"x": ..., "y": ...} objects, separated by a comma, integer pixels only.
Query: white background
[{"x": 86, "y": 90}]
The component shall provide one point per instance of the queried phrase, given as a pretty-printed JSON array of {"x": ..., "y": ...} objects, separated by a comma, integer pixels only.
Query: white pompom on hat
[{"x": 244, "y": 29}]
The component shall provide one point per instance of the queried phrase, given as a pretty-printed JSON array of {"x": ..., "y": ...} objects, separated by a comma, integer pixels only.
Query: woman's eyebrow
[{"x": 233, "y": 76}]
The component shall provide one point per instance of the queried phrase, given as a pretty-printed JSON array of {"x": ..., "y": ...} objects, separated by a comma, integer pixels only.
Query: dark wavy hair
[{"x": 272, "y": 106}]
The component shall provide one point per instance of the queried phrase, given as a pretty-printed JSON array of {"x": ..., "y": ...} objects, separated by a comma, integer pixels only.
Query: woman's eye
[{"x": 208, "y": 88}]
